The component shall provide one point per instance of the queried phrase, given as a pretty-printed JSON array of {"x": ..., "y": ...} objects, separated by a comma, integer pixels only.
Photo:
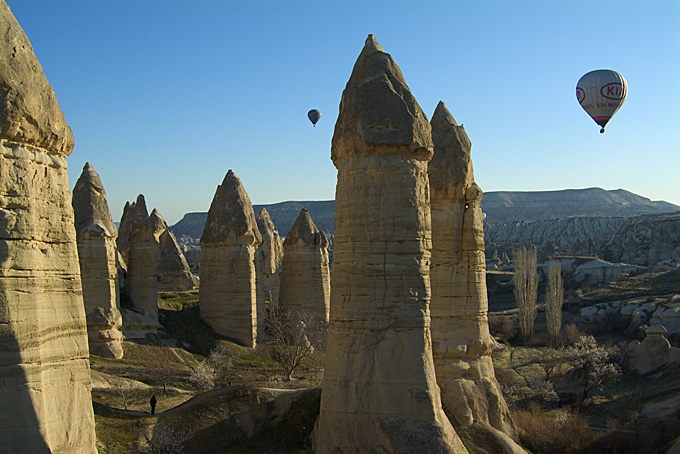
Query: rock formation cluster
[
  {"x": 96, "y": 235},
  {"x": 305, "y": 275},
  {"x": 44, "y": 360},
  {"x": 174, "y": 274},
  {"x": 272, "y": 256},
  {"x": 461, "y": 342},
  {"x": 231, "y": 300},
  {"x": 379, "y": 387}
]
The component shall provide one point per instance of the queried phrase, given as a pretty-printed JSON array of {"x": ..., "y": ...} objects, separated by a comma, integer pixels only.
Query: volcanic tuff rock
[
  {"x": 44, "y": 360},
  {"x": 272, "y": 256},
  {"x": 231, "y": 299},
  {"x": 96, "y": 235},
  {"x": 305, "y": 276},
  {"x": 141, "y": 282},
  {"x": 172, "y": 268},
  {"x": 461, "y": 343},
  {"x": 379, "y": 388},
  {"x": 124, "y": 232}
]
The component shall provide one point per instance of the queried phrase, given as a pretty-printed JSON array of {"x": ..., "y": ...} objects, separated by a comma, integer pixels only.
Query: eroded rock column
[
  {"x": 44, "y": 358},
  {"x": 461, "y": 342},
  {"x": 379, "y": 388},
  {"x": 141, "y": 282},
  {"x": 272, "y": 256},
  {"x": 230, "y": 299},
  {"x": 174, "y": 274},
  {"x": 305, "y": 276},
  {"x": 96, "y": 235}
]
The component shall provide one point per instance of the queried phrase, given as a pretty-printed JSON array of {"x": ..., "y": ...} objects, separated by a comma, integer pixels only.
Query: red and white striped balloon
[{"x": 601, "y": 94}]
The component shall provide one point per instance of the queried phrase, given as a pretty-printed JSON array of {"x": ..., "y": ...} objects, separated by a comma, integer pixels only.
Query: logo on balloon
[
  {"x": 580, "y": 94},
  {"x": 613, "y": 90}
]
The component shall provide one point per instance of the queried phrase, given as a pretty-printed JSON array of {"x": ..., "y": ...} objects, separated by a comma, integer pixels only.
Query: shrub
[{"x": 557, "y": 431}]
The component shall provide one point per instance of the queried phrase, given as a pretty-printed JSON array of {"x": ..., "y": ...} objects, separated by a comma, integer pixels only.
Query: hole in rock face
[{"x": 467, "y": 205}]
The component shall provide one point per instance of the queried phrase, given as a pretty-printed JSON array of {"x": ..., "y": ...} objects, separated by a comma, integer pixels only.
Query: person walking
[{"x": 152, "y": 402}]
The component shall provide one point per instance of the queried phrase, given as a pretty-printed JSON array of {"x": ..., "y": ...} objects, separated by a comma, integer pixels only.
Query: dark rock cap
[
  {"x": 450, "y": 169},
  {"x": 378, "y": 113},
  {"x": 89, "y": 205},
  {"x": 29, "y": 111},
  {"x": 305, "y": 233},
  {"x": 231, "y": 219}
]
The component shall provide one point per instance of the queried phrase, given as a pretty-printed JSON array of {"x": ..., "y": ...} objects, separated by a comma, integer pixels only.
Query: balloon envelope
[
  {"x": 601, "y": 93},
  {"x": 314, "y": 116}
]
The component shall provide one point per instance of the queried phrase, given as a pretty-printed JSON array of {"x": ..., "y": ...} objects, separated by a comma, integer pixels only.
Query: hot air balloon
[
  {"x": 601, "y": 94},
  {"x": 314, "y": 116}
]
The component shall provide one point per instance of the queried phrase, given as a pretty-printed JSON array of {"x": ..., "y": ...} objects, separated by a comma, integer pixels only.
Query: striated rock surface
[
  {"x": 461, "y": 343},
  {"x": 174, "y": 274},
  {"x": 379, "y": 387},
  {"x": 272, "y": 256},
  {"x": 141, "y": 283},
  {"x": 96, "y": 235},
  {"x": 230, "y": 299},
  {"x": 305, "y": 275},
  {"x": 44, "y": 359}
]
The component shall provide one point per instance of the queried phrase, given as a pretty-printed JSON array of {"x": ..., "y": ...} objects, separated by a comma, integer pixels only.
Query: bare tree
[
  {"x": 224, "y": 365},
  {"x": 123, "y": 388},
  {"x": 292, "y": 335},
  {"x": 526, "y": 288},
  {"x": 593, "y": 363},
  {"x": 163, "y": 439},
  {"x": 554, "y": 298},
  {"x": 203, "y": 376}
]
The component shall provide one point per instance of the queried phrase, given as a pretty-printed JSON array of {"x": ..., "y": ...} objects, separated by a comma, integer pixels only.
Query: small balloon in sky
[
  {"x": 601, "y": 94},
  {"x": 314, "y": 116}
]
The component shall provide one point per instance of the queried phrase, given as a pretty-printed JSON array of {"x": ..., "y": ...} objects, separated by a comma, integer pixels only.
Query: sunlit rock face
[
  {"x": 379, "y": 388},
  {"x": 174, "y": 274},
  {"x": 231, "y": 300},
  {"x": 305, "y": 278},
  {"x": 461, "y": 343},
  {"x": 96, "y": 235},
  {"x": 44, "y": 359},
  {"x": 140, "y": 316},
  {"x": 272, "y": 256}
]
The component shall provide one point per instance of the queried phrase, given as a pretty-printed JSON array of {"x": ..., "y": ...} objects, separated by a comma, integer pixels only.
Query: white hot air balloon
[{"x": 601, "y": 94}]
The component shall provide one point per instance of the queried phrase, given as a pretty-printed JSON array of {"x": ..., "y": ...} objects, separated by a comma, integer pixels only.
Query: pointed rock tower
[
  {"x": 272, "y": 256},
  {"x": 305, "y": 275},
  {"x": 174, "y": 274},
  {"x": 141, "y": 281},
  {"x": 379, "y": 388},
  {"x": 96, "y": 236},
  {"x": 461, "y": 343},
  {"x": 44, "y": 358},
  {"x": 230, "y": 299}
]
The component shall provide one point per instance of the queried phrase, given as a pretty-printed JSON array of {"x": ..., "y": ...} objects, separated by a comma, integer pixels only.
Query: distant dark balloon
[{"x": 314, "y": 116}]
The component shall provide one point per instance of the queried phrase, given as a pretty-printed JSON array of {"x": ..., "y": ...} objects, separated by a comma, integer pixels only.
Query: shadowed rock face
[
  {"x": 461, "y": 343},
  {"x": 272, "y": 256},
  {"x": 174, "y": 274},
  {"x": 141, "y": 281},
  {"x": 96, "y": 235},
  {"x": 379, "y": 389},
  {"x": 230, "y": 299},
  {"x": 44, "y": 359},
  {"x": 305, "y": 276}
]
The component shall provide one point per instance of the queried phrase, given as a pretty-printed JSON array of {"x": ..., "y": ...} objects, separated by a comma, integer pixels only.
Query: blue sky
[{"x": 165, "y": 96}]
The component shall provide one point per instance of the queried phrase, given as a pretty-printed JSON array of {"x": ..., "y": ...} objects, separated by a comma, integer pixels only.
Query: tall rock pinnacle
[
  {"x": 379, "y": 387},
  {"x": 305, "y": 275},
  {"x": 461, "y": 343},
  {"x": 44, "y": 357},
  {"x": 272, "y": 256},
  {"x": 96, "y": 235},
  {"x": 231, "y": 300}
]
